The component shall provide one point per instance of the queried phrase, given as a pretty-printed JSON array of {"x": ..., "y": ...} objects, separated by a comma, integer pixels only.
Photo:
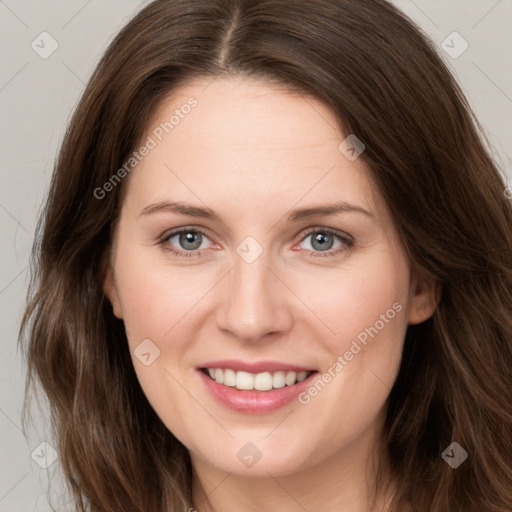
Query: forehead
[
  {"x": 252, "y": 113},
  {"x": 249, "y": 141}
]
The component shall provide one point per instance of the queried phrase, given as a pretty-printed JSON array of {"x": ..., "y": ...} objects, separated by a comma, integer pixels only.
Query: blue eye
[
  {"x": 323, "y": 242},
  {"x": 188, "y": 242}
]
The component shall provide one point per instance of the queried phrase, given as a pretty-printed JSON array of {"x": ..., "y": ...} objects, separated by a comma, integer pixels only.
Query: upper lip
[{"x": 256, "y": 367}]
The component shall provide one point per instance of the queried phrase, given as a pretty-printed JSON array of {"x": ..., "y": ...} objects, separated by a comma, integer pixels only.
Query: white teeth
[
  {"x": 290, "y": 378},
  {"x": 264, "y": 381},
  {"x": 278, "y": 380},
  {"x": 230, "y": 378},
  {"x": 301, "y": 376},
  {"x": 219, "y": 375},
  {"x": 244, "y": 380}
]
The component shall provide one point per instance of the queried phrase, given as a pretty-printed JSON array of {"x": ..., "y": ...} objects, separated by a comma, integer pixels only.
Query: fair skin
[{"x": 253, "y": 154}]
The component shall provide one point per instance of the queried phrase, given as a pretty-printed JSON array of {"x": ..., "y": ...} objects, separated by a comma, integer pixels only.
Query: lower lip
[{"x": 254, "y": 402}]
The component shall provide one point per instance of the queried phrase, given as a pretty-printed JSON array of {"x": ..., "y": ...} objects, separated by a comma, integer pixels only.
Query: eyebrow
[
  {"x": 181, "y": 208},
  {"x": 324, "y": 211}
]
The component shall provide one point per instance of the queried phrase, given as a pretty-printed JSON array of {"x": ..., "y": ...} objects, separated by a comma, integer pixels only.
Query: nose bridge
[{"x": 255, "y": 304}]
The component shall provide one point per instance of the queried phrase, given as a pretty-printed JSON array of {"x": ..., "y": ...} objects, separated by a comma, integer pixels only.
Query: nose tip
[{"x": 254, "y": 303}]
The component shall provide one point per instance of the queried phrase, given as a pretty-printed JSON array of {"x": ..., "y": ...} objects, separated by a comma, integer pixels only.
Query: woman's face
[{"x": 288, "y": 266}]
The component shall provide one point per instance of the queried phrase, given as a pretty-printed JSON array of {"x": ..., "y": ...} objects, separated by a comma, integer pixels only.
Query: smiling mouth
[{"x": 264, "y": 381}]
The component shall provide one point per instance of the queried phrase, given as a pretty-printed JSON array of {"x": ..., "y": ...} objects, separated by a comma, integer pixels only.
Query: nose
[{"x": 254, "y": 302}]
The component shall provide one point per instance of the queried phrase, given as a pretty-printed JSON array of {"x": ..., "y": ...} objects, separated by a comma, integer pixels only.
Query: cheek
[
  {"x": 359, "y": 297},
  {"x": 156, "y": 299},
  {"x": 158, "y": 304},
  {"x": 366, "y": 309}
]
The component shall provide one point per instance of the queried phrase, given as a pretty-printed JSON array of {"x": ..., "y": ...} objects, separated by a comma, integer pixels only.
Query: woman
[{"x": 274, "y": 270}]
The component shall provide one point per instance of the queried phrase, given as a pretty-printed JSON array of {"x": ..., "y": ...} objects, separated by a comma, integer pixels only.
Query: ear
[
  {"x": 425, "y": 294},
  {"x": 109, "y": 286}
]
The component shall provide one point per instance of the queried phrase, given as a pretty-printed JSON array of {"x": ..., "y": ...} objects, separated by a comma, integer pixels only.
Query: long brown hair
[{"x": 386, "y": 83}]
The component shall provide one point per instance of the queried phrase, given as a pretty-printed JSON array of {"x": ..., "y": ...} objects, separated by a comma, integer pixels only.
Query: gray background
[{"x": 36, "y": 98}]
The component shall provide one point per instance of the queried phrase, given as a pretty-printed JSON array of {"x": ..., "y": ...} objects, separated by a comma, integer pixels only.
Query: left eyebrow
[{"x": 326, "y": 210}]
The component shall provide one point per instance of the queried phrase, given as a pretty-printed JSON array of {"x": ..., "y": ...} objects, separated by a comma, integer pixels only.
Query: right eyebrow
[{"x": 181, "y": 209}]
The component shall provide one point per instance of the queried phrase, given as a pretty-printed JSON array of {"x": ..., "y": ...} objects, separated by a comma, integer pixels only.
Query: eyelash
[{"x": 196, "y": 253}]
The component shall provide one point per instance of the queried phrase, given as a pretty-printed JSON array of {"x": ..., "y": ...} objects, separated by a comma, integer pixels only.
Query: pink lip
[
  {"x": 254, "y": 402},
  {"x": 262, "y": 366}
]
